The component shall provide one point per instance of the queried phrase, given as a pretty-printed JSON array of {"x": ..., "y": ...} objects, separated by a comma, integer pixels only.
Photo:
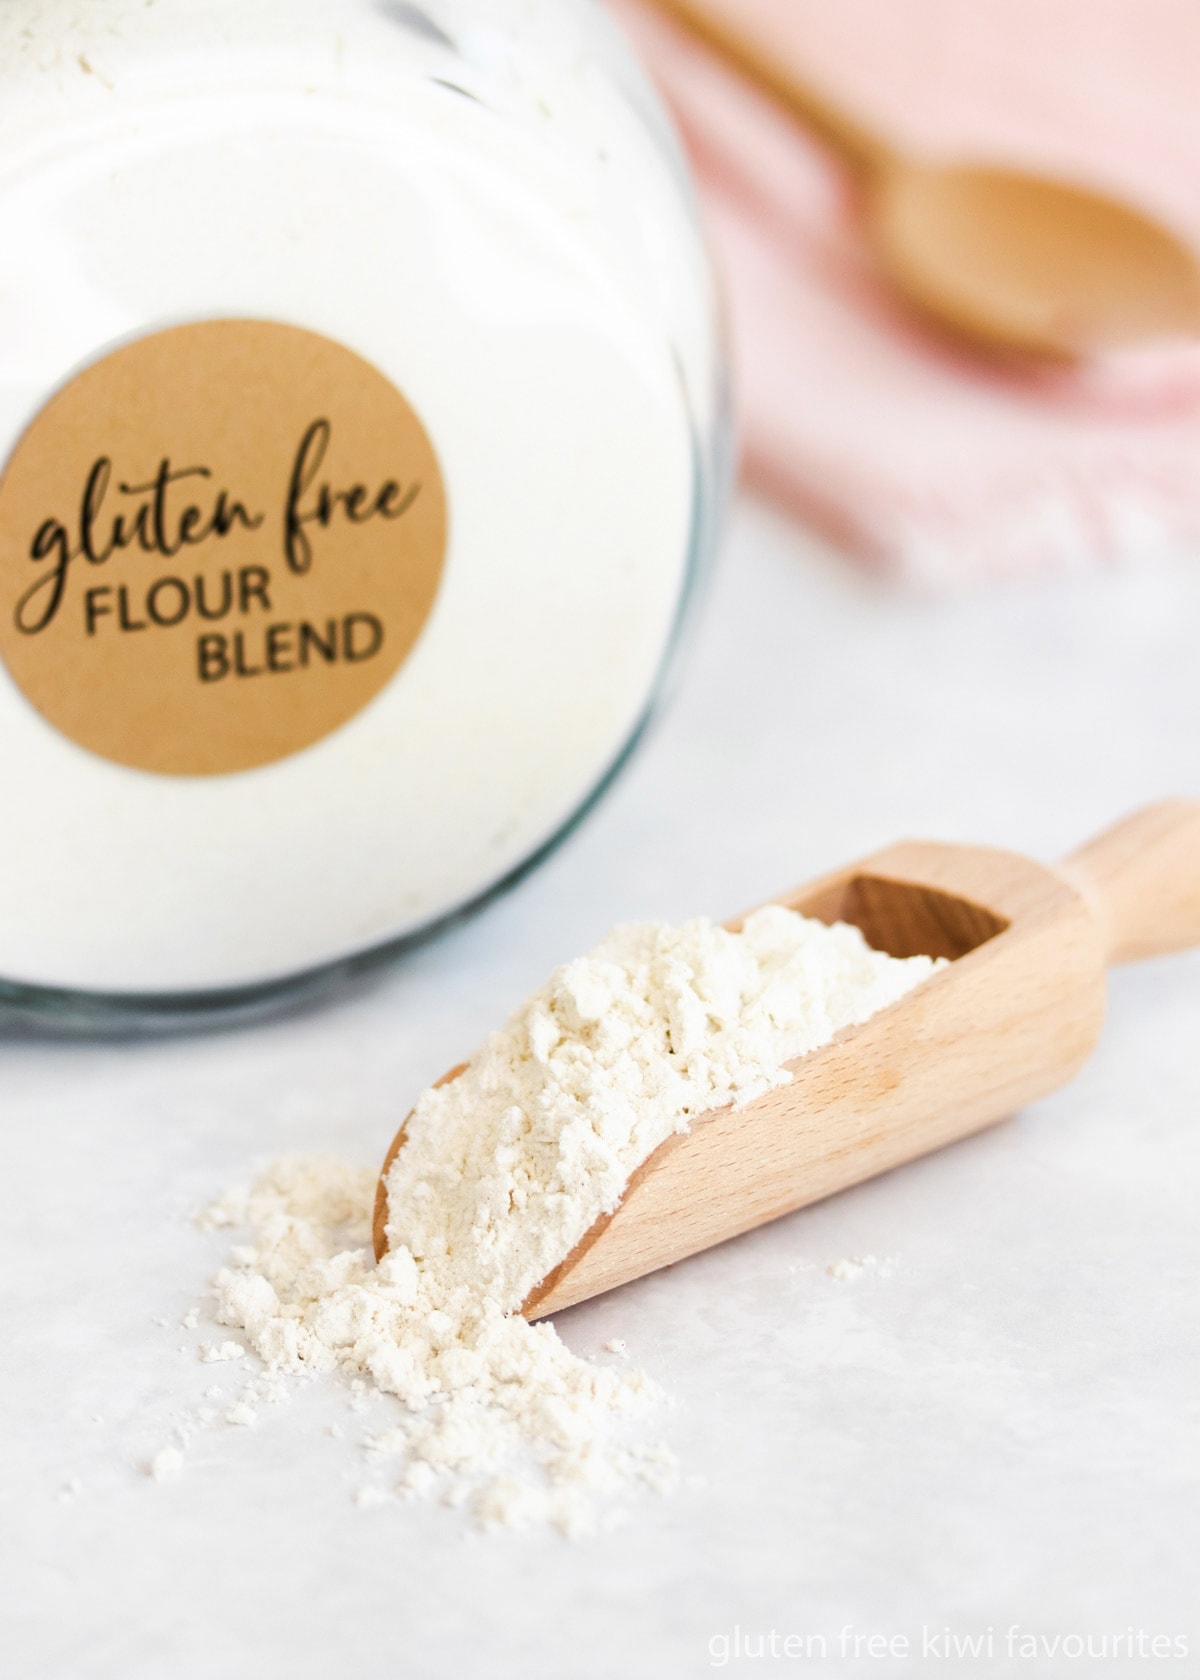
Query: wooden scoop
[
  {"x": 1013, "y": 1017},
  {"x": 1019, "y": 263}
]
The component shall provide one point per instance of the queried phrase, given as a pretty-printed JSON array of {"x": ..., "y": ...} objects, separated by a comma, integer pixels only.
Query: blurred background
[{"x": 914, "y": 453}]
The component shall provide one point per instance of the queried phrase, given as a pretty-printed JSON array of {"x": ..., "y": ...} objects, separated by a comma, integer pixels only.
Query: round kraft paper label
[{"x": 217, "y": 545}]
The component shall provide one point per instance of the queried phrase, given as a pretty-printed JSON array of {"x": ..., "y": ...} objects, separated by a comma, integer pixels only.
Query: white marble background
[{"x": 1005, "y": 1430}]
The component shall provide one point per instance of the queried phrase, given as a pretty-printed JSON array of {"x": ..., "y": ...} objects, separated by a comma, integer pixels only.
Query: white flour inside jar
[
  {"x": 503, "y": 1171},
  {"x": 472, "y": 205}
]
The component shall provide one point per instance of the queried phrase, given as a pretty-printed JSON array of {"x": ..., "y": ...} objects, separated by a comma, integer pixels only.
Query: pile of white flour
[{"x": 502, "y": 1173}]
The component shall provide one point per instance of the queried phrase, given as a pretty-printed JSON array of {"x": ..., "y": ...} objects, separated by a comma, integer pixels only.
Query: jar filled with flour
[{"x": 362, "y": 432}]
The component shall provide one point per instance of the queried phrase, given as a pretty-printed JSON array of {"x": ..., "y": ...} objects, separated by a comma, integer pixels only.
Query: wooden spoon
[
  {"x": 1018, "y": 263},
  {"x": 1013, "y": 1017}
]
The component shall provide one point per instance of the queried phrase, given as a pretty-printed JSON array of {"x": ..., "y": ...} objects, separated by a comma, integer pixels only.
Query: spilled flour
[
  {"x": 496, "y": 1412},
  {"x": 502, "y": 1173}
]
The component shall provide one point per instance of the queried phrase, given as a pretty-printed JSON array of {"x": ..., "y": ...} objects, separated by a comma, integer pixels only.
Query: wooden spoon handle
[
  {"x": 855, "y": 144},
  {"x": 1142, "y": 879}
]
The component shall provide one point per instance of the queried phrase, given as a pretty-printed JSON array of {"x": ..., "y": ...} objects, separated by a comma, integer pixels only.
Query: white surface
[{"x": 1004, "y": 1430}]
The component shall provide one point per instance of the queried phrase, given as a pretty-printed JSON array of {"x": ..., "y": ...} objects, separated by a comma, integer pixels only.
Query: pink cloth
[{"x": 934, "y": 464}]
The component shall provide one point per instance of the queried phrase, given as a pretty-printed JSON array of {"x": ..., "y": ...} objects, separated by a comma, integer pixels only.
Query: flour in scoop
[{"x": 502, "y": 1173}]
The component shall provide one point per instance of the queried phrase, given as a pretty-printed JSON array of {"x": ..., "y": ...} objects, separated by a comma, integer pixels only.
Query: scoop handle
[{"x": 1142, "y": 878}]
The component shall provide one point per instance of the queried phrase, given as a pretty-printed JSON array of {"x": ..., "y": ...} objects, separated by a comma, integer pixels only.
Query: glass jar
[{"x": 362, "y": 406}]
